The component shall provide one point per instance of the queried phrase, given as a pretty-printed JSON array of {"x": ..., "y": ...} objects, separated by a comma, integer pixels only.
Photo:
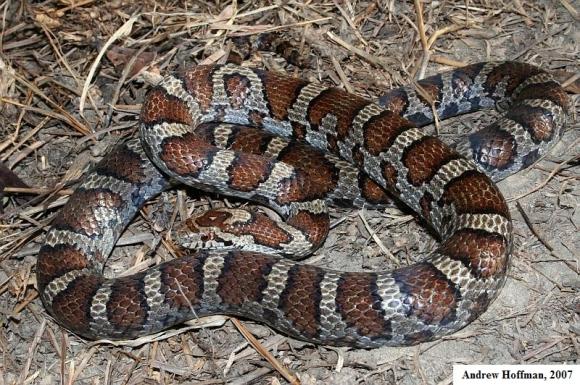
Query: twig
[
  {"x": 341, "y": 75},
  {"x": 350, "y": 23},
  {"x": 291, "y": 378},
  {"x": 440, "y": 32},
  {"x": 539, "y": 40},
  {"x": 542, "y": 239},
  {"x": 364, "y": 55},
  {"x": 421, "y": 25},
  {"x": 556, "y": 169},
  {"x": 31, "y": 352},
  {"x": 377, "y": 240},
  {"x": 121, "y": 32},
  {"x": 64, "y": 114},
  {"x": 446, "y": 61},
  {"x": 570, "y": 8}
]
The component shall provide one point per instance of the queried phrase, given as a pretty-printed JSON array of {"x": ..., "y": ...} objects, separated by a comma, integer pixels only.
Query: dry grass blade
[
  {"x": 350, "y": 22},
  {"x": 446, "y": 61},
  {"x": 123, "y": 31},
  {"x": 375, "y": 237},
  {"x": 543, "y": 239},
  {"x": 440, "y": 32},
  {"x": 37, "y": 191},
  {"x": 572, "y": 159},
  {"x": 291, "y": 378},
  {"x": 364, "y": 55},
  {"x": 342, "y": 75},
  {"x": 421, "y": 25},
  {"x": 64, "y": 117},
  {"x": 573, "y": 11},
  {"x": 24, "y": 373},
  {"x": 31, "y": 296}
]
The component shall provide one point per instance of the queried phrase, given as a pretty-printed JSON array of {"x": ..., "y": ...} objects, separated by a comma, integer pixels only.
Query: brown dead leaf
[
  {"x": 9, "y": 179},
  {"x": 48, "y": 21},
  {"x": 120, "y": 56}
]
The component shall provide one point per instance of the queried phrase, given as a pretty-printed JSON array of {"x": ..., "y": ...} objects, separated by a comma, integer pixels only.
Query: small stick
[
  {"x": 29, "y": 298},
  {"x": 446, "y": 61},
  {"x": 291, "y": 378},
  {"x": 421, "y": 25},
  {"x": 445, "y": 30},
  {"x": 341, "y": 75},
  {"x": 549, "y": 177},
  {"x": 377, "y": 239},
  {"x": 542, "y": 239},
  {"x": 350, "y": 23},
  {"x": 32, "y": 352},
  {"x": 365, "y": 55},
  {"x": 570, "y": 8},
  {"x": 37, "y": 191}
]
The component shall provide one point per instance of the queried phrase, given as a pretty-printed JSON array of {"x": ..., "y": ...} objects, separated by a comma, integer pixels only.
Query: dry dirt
[{"x": 50, "y": 51}]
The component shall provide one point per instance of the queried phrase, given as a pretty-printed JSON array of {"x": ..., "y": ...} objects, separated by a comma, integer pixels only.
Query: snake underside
[{"x": 296, "y": 147}]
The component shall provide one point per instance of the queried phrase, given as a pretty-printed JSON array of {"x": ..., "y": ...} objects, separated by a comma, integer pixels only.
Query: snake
[{"x": 298, "y": 148}]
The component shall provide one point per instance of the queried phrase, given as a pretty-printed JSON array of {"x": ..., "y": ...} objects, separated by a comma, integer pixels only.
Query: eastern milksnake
[{"x": 190, "y": 129}]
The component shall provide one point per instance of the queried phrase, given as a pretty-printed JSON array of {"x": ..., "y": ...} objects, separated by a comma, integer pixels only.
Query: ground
[{"x": 73, "y": 75}]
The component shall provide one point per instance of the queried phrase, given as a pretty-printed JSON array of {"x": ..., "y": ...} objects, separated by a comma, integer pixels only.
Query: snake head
[{"x": 216, "y": 229}]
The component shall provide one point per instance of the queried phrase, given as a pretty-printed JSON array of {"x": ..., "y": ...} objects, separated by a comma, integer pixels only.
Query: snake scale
[{"x": 297, "y": 147}]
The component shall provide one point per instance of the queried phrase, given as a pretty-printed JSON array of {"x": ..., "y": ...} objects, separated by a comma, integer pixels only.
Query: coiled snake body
[{"x": 299, "y": 147}]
